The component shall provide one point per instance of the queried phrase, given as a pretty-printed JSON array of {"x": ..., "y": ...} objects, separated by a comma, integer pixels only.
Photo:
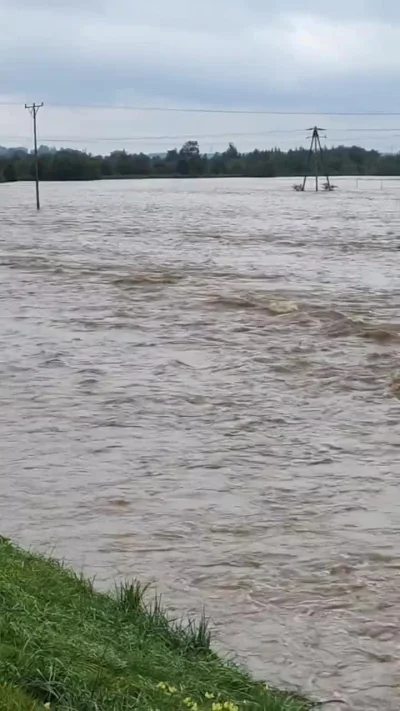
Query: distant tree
[
  {"x": 10, "y": 173},
  {"x": 236, "y": 167},
  {"x": 172, "y": 156},
  {"x": 67, "y": 164},
  {"x": 182, "y": 166},
  {"x": 122, "y": 163},
  {"x": 218, "y": 165},
  {"x": 140, "y": 164},
  {"x": 169, "y": 164},
  {"x": 231, "y": 152},
  {"x": 190, "y": 150},
  {"x": 106, "y": 168}
]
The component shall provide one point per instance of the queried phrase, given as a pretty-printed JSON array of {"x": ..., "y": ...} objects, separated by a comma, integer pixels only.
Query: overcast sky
[{"x": 293, "y": 55}]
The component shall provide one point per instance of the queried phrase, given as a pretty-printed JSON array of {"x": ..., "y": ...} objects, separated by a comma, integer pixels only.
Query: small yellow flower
[
  {"x": 172, "y": 689},
  {"x": 217, "y": 707},
  {"x": 162, "y": 686},
  {"x": 47, "y": 706},
  {"x": 209, "y": 695},
  {"x": 188, "y": 701}
]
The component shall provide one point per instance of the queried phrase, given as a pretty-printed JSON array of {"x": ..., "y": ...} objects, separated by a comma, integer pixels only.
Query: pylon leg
[{"x": 310, "y": 152}]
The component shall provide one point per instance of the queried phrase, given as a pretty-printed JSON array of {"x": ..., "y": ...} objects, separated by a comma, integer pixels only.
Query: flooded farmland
[{"x": 199, "y": 386}]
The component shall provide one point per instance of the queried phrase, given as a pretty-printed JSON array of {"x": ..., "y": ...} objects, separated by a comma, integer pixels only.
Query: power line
[
  {"x": 253, "y": 112},
  {"x": 363, "y": 129},
  {"x": 203, "y": 110},
  {"x": 193, "y": 135},
  {"x": 231, "y": 134}
]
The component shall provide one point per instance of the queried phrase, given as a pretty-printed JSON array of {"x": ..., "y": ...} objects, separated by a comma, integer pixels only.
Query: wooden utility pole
[
  {"x": 317, "y": 152},
  {"x": 34, "y": 110}
]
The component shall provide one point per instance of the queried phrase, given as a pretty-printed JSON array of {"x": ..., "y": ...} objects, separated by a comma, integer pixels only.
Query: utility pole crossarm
[{"x": 34, "y": 110}]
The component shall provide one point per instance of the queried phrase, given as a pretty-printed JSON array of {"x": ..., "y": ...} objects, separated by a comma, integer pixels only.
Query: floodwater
[{"x": 197, "y": 387}]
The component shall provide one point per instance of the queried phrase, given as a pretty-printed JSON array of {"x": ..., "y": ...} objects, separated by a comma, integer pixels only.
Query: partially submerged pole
[
  {"x": 34, "y": 110},
  {"x": 309, "y": 157},
  {"x": 317, "y": 153},
  {"x": 328, "y": 185}
]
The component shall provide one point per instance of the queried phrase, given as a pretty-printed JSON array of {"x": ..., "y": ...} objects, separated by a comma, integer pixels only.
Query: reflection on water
[{"x": 198, "y": 387}]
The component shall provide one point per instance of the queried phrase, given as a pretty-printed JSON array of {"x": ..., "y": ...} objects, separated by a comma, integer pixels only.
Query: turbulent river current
[{"x": 199, "y": 387}]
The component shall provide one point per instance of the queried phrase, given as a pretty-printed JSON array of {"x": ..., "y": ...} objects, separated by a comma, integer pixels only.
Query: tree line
[{"x": 70, "y": 164}]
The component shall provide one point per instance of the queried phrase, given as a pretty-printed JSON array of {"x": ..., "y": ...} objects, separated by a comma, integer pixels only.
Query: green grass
[{"x": 63, "y": 644}]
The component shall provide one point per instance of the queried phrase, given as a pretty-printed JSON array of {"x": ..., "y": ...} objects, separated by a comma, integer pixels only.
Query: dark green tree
[
  {"x": 10, "y": 173},
  {"x": 231, "y": 152},
  {"x": 67, "y": 164},
  {"x": 190, "y": 150}
]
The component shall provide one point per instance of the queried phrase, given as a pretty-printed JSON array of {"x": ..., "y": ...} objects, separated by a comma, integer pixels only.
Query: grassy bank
[{"x": 65, "y": 646}]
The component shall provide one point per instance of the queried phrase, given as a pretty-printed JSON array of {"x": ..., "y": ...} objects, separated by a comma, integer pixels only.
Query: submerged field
[
  {"x": 65, "y": 646},
  {"x": 198, "y": 380}
]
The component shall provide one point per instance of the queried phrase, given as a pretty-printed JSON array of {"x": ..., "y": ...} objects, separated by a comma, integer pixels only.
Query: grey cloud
[
  {"x": 276, "y": 54},
  {"x": 339, "y": 9},
  {"x": 161, "y": 10},
  {"x": 54, "y": 6}
]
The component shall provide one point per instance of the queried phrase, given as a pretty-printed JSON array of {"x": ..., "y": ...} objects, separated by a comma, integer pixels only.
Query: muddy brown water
[{"x": 197, "y": 387}]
